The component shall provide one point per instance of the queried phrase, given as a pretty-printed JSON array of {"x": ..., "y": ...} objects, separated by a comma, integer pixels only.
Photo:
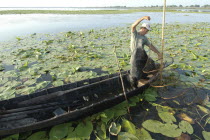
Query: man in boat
[{"x": 138, "y": 54}]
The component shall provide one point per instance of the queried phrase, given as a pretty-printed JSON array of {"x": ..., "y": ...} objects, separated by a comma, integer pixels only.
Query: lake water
[{"x": 19, "y": 25}]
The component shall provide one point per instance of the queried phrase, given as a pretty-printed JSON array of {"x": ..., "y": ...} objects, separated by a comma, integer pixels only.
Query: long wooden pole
[
  {"x": 123, "y": 87},
  {"x": 162, "y": 41}
]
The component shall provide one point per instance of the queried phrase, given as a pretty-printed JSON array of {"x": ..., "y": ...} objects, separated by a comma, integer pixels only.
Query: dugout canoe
[{"x": 65, "y": 103}]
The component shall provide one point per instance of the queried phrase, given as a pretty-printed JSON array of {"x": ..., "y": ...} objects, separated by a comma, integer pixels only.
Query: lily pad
[
  {"x": 168, "y": 129},
  {"x": 153, "y": 126},
  {"x": 1, "y": 67},
  {"x": 206, "y": 135},
  {"x": 12, "y": 137},
  {"x": 128, "y": 126},
  {"x": 186, "y": 127},
  {"x": 114, "y": 129},
  {"x": 165, "y": 115},
  {"x": 126, "y": 136},
  {"x": 143, "y": 134},
  {"x": 82, "y": 131},
  {"x": 42, "y": 85},
  {"x": 59, "y": 131},
  {"x": 41, "y": 135},
  {"x": 58, "y": 83},
  {"x": 203, "y": 109}
]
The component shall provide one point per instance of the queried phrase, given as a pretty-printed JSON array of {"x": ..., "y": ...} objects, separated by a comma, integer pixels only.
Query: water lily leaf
[
  {"x": 57, "y": 83},
  {"x": 1, "y": 67},
  {"x": 25, "y": 135},
  {"x": 27, "y": 90},
  {"x": 87, "y": 129},
  {"x": 82, "y": 131},
  {"x": 41, "y": 135},
  {"x": 30, "y": 82},
  {"x": 12, "y": 137},
  {"x": 203, "y": 109},
  {"x": 59, "y": 131},
  {"x": 206, "y": 135},
  {"x": 114, "y": 129},
  {"x": 109, "y": 115},
  {"x": 24, "y": 67},
  {"x": 207, "y": 121},
  {"x": 101, "y": 130},
  {"x": 150, "y": 95},
  {"x": 33, "y": 72},
  {"x": 143, "y": 134},
  {"x": 8, "y": 93},
  {"x": 165, "y": 115},
  {"x": 3, "y": 80},
  {"x": 128, "y": 126},
  {"x": 126, "y": 136},
  {"x": 72, "y": 134},
  {"x": 186, "y": 127},
  {"x": 120, "y": 109},
  {"x": 170, "y": 130},
  {"x": 133, "y": 101},
  {"x": 13, "y": 84},
  {"x": 153, "y": 125},
  {"x": 42, "y": 85}
]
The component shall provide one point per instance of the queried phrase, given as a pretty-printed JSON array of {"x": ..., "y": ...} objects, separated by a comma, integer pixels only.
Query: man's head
[{"x": 145, "y": 27}]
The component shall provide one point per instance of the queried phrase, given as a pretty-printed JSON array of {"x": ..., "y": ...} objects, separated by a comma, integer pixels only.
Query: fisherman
[{"x": 138, "y": 55}]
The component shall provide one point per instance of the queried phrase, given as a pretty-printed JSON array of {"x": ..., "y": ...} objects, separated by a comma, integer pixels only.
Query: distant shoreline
[{"x": 96, "y": 10}]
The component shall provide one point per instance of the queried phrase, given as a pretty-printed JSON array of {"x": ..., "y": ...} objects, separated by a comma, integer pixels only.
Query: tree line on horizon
[{"x": 196, "y": 5}]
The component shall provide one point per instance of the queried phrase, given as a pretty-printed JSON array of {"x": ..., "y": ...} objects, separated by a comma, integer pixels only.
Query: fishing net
[
  {"x": 176, "y": 92},
  {"x": 171, "y": 86},
  {"x": 153, "y": 64}
]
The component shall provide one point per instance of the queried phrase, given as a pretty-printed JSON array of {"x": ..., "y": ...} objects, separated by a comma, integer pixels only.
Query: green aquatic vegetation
[
  {"x": 129, "y": 127},
  {"x": 59, "y": 131},
  {"x": 150, "y": 95},
  {"x": 206, "y": 135},
  {"x": 114, "y": 129},
  {"x": 165, "y": 114},
  {"x": 55, "y": 59},
  {"x": 82, "y": 131},
  {"x": 143, "y": 134},
  {"x": 168, "y": 129},
  {"x": 186, "y": 127},
  {"x": 126, "y": 136},
  {"x": 18, "y": 38},
  {"x": 48, "y": 42},
  {"x": 12, "y": 137},
  {"x": 1, "y": 67},
  {"x": 41, "y": 135}
]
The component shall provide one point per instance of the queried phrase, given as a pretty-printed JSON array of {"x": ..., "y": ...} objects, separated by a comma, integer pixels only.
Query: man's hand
[{"x": 146, "y": 17}]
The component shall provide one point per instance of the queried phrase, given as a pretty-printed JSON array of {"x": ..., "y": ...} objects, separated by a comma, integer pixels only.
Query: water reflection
[{"x": 18, "y": 25}]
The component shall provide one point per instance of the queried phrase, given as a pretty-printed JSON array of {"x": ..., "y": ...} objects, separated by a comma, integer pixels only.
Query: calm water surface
[{"x": 20, "y": 25}]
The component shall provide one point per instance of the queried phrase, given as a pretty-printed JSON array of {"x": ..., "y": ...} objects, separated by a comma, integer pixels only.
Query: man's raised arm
[{"x": 133, "y": 27}]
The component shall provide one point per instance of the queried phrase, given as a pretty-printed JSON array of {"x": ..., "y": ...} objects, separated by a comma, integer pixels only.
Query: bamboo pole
[
  {"x": 162, "y": 40},
  {"x": 124, "y": 92}
]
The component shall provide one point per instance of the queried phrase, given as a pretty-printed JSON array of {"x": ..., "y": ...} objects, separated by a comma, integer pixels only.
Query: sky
[{"x": 97, "y": 3}]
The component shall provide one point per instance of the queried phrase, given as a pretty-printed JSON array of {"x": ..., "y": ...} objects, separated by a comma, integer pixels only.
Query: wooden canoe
[{"x": 65, "y": 103}]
